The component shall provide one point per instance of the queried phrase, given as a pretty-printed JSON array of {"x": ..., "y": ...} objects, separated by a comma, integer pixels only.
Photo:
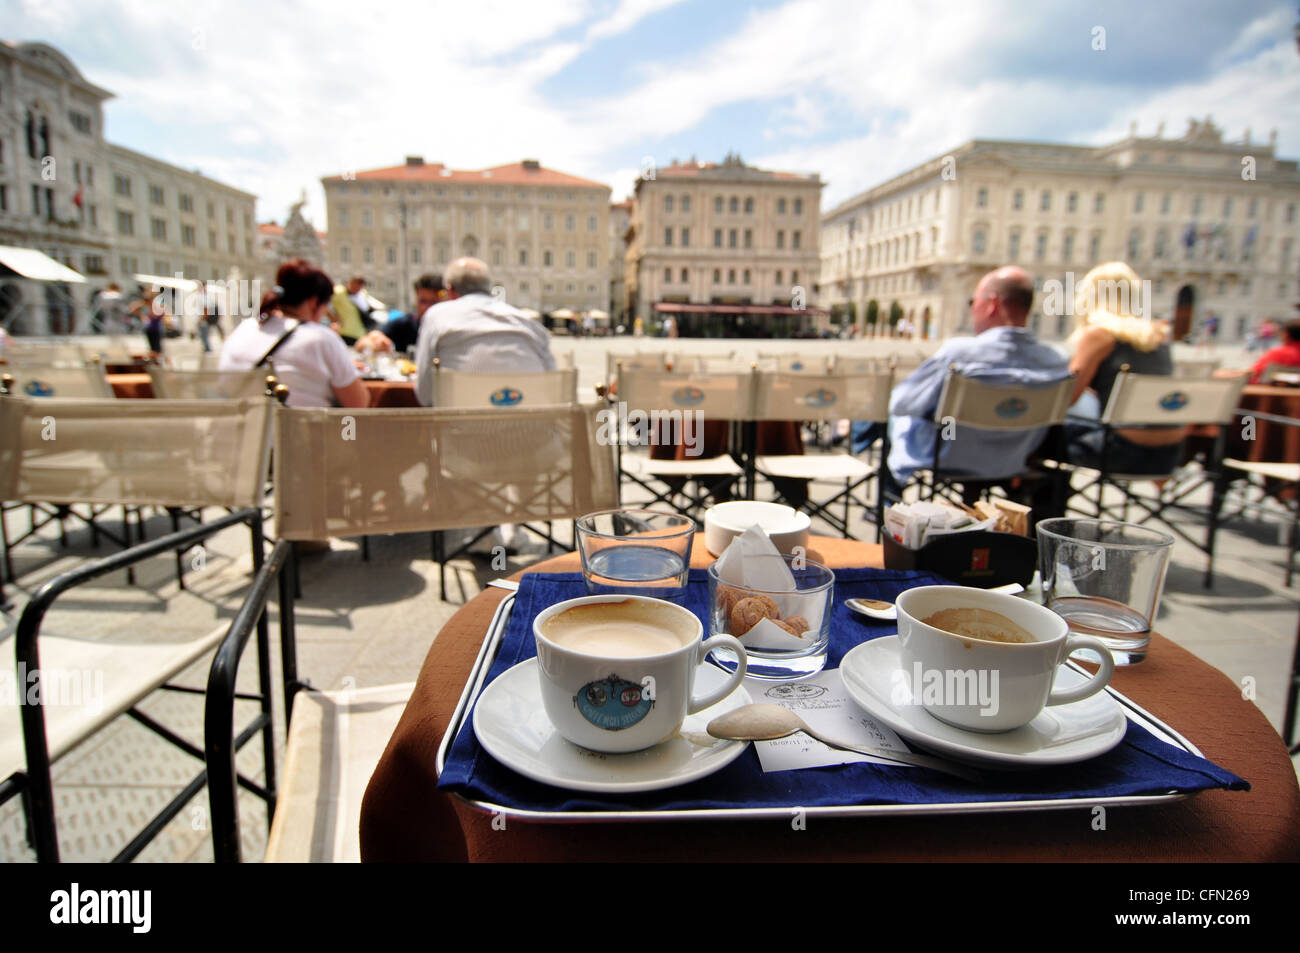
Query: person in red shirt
[{"x": 1286, "y": 353}]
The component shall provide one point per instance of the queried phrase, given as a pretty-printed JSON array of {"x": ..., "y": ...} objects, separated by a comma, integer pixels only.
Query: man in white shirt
[{"x": 475, "y": 331}]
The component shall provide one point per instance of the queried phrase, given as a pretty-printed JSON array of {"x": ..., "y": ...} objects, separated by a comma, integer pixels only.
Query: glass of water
[
  {"x": 1105, "y": 579},
  {"x": 639, "y": 552}
]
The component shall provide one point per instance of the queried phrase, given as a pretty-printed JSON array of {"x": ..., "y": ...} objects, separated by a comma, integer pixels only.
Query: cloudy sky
[{"x": 270, "y": 96}]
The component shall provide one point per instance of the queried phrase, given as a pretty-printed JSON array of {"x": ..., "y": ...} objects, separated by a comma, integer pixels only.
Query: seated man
[
  {"x": 1003, "y": 351},
  {"x": 475, "y": 331},
  {"x": 403, "y": 332}
]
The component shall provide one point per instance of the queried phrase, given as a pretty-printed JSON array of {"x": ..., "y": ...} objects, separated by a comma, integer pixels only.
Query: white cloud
[{"x": 279, "y": 95}]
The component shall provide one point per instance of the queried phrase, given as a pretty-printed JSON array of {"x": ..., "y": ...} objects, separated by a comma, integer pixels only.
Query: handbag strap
[{"x": 276, "y": 346}]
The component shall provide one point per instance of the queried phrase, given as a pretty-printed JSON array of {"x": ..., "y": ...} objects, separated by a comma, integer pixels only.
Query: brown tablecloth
[
  {"x": 132, "y": 385},
  {"x": 404, "y": 817},
  {"x": 391, "y": 393},
  {"x": 1273, "y": 443}
]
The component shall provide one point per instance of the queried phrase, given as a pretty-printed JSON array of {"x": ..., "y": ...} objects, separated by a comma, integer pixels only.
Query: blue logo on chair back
[
  {"x": 35, "y": 388},
  {"x": 1011, "y": 407},
  {"x": 1174, "y": 400},
  {"x": 506, "y": 397},
  {"x": 820, "y": 398},
  {"x": 612, "y": 703},
  {"x": 797, "y": 366},
  {"x": 688, "y": 396}
]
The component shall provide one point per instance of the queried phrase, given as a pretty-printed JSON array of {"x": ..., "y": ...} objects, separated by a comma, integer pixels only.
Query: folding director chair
[
  {"x": 667, "y": 402},
  {"x": 976, "y": 410},
  {"x": 1154, "y": 400},
  {"x": 184, "y": 453},
  {"x": 781, "y": 396}
]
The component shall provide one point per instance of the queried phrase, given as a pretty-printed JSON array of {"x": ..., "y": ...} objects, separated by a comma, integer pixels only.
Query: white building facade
[
  {"x": 105, "y": 211},
  {"x": 543, "y": 234},
  {"x": 1212, "y": 224},
  {"x": 727, "y": 249}
]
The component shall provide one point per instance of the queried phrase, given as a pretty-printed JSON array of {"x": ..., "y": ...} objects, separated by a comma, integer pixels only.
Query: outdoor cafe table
[
  {"x": 381, "y": 393},
  {"x": 405, "y": 817}
]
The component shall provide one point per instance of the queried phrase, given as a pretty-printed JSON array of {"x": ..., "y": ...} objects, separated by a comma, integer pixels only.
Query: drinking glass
[
  {"x": 810, "y": 600},
  {"x": 1105, "y": 579},
  {"x": 638, "y": 552}
]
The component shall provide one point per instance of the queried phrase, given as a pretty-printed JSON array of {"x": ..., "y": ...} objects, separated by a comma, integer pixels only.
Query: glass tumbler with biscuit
[{"x": 783, "y": 623}]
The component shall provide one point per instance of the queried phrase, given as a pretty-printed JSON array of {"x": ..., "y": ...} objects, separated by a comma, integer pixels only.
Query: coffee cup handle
[
  {"x": 1092, "y": 685},
  {"x": 732, "y": 683}
]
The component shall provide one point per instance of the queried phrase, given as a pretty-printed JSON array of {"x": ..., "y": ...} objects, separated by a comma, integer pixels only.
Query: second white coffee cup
[
  {"x": 629, "y": 699},
  {"x": 986, "y": 685}
]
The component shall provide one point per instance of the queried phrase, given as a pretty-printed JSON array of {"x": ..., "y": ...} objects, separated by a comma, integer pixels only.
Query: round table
[{"x": 404, "y": 817}]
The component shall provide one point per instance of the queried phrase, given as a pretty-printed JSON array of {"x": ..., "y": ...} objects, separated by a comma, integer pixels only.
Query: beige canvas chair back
[
  {"x": 792, "y": 363},
  {"x": 860, "y": 365},
  {"x": 1147, "y": 399},
  {"x": 505, "y": 389},
  {"x": 650, "y": 360},
  {"x": 165, "y": 453},
  {"x": 825, "y": 397},
  {"x": 1280, "y": 373},
  {"x": 54, "y": 380},
  {"x": 1196, "y": 370},
  {"x": 904, "y": 363},
  {"x": 717, "y": 396},
  {"x": 46, "y": 353},
  {"x": 973, "y": 403},
  {"x": 341, "y": 472},
  {"x": 207, "y": 385}
]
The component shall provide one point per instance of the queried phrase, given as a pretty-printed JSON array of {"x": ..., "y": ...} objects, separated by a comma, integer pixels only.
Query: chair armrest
[{"x": 219, "y": 707}]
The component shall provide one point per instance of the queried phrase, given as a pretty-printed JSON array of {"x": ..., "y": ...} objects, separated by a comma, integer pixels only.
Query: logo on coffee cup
[
  {"x": 946, "y": 687},
  {"x": 613, "y": 703}
]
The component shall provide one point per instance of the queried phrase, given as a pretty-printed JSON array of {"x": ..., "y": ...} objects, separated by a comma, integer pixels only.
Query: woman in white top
[{"x": 309, "y": 359}]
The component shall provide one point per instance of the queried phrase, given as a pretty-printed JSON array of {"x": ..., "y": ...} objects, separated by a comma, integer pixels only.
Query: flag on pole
[{"x": 76, "y": 199}]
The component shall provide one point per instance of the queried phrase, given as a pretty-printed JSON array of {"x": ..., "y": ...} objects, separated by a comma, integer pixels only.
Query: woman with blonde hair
[{"x": 1113, "y": 328}]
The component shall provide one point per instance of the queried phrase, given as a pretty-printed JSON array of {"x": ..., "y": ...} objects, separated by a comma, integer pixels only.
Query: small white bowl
[{"x": 785, "y": 526}]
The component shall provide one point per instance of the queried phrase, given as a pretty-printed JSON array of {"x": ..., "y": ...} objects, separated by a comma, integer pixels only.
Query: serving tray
[{"x": 488, "y": 651}]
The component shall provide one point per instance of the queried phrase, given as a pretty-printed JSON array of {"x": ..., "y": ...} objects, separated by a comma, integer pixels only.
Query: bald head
[
  {"x": 467, "y": 276},
  {"x": 1003, "y": 297}
]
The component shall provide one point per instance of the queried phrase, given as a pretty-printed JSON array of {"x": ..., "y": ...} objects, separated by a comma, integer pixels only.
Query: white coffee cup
[
  {"x": 986, "y": 685},
  {"x": 624, "y": 701}
]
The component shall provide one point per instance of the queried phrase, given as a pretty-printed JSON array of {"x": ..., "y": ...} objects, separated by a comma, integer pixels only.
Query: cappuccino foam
[
  {"x": 982, "y": 624},
  {"x": 625, "y": 629}
]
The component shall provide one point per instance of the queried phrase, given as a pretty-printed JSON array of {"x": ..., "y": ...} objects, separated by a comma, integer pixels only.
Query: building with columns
[
  {"x": 1212, "y": 224},
  {"x": 727, "y": 249},
  {"x": 543, "y": 234},
  {"x": 103, "y": 210}
]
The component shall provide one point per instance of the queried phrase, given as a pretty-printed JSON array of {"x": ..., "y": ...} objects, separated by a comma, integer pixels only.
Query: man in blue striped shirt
[{"x": 1003, "y": 351}]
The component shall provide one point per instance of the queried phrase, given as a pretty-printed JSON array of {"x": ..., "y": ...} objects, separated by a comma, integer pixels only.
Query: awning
[
  {"x": 157, "y": 281},
  {"x": 30, "y": 263},
  {"x": 530, "y": 313},
  {"x": 598, "y": 315},
  {"x": 674, "y": 307},
  {"x": 563, "y": 314}
]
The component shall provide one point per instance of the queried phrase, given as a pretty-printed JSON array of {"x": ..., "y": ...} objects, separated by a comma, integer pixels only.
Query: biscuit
[
  {"x": 795, "y": 624},
  {"x": 746, "y": 613}
]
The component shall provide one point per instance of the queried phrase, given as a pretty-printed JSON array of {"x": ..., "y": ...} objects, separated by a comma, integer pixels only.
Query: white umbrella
[
  {"x": 529, "y": 313},
  {"x": 563, "y": 314},
  {"x": 599, "y": 315}
]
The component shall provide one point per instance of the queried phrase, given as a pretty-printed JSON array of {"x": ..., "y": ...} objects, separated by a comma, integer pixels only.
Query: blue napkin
[{"x": 1140, "y": 764}]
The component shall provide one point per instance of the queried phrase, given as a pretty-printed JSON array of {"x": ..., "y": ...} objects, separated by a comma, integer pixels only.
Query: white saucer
[
  {"x": 511, "y": 724},
  {"x": 1062, "y": 734}
]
